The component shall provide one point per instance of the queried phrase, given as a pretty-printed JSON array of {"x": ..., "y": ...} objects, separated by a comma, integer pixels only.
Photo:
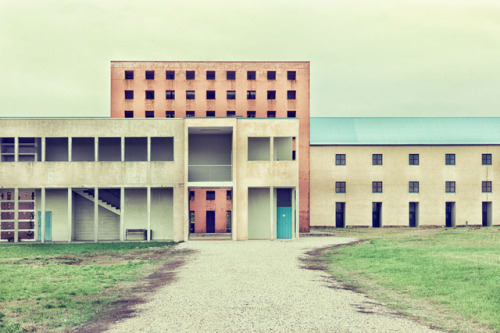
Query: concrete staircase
[{"x": 90, "y": 195}]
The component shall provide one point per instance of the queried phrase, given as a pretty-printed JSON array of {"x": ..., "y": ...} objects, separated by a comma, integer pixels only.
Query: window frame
[
  {"x": 271, "y": 94},
  {"x": 149, "y": 75},
  {"x": 376, "y": 160},
  {"x": 340, "y": 187},
  {"x": 271, "y": 114},
  {"x": 486, "y": 186},
  {"x": 169, "y": 75},
  {"x": 230, "y": 94},
  {"x": 191, "y": 75},
  {"x": 340, "y": 159},
  {"x": 190, "y": 114},
  {"x": 230, "y": 75},
  {"x": 377, "y": 187},
  {"x": 210, "y": 195},
  {"x": 129, "y": 75},
  {"x": 128, "y": 114},
  {"x": 291, "y": 75},
  {"x": 149, "y": 94},
  {"x": 210, "y": 75},
  {"x": 414, "y": 159},
  {"x": 271, "y": 75},
  {"x": 450, "y": 186},
  {"x": 251, "y": 114},
  {"x": 129, "y": 94},
  {"x": 251, "y": 94},
  {"x": 450, "y": 159},
  {"x": 487, "y": 159},
  {"x": 251, "y": 75},
  {"x": 210, "y": 94},
  {"x": 291, "y": 94},
  {"x": 414, "y": 187},
  {"x": 169, "y": 114},
  {"x": 190, "y": 94},
  {"x": 170, "y": 94},
  {"x": 149, "y": 114}
]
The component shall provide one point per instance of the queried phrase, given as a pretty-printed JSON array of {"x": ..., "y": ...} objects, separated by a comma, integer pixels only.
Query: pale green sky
[{"x": 368, "y": 58}]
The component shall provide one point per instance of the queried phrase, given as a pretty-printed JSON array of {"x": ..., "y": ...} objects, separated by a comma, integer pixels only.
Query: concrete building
[{"x": 375, "y": 172}]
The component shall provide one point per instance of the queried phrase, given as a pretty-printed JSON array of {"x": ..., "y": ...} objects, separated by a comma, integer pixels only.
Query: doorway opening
[
  {"x": 413, "y": 212},
  {"x": 340, "y": 215},
  {"x": 376, "y": 214},
  {"x": 487, "y": 214},
  {"x": 450, "y": 214},
  {"x": 210, "y": 213}
]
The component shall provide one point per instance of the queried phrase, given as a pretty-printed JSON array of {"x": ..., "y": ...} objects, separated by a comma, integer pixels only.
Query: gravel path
[{"x": 259, "y": 286}]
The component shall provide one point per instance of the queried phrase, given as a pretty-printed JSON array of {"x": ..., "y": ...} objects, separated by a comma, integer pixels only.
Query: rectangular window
[
  {"x": 339, "y": 159},
  {"x": 271, "y": 75},
  {"x": 189, "y": 114},
  {"x": 210, "y": 75},
  {"x": 162, "y": 149},
  {"x": 170, "y": 94},
  {"x": 283, "y": 148},
  {"x": 339, "y": 187},
  {"x": 486, "y": 159},
  {"x": 230, "y": 75},
  {"x": 170, "y": 75},
  {"x": 136, "y": 149},
  {"x": 414, "y": 187},
  {"x": 450, "y": 187},
  {"x": 191, "y": 195},
  {"x": 271, "y": 94},
  {"x": 251, "y": 75},
  {"x": 129, "y": 94},
  {"x": 486, "y": 186},
  {"x": 150, "y": 94},
  {"x": 150, "y": 114},
  {"x": 250, "y": 94},
  {"x": 376, "y": 187},
  {"x": 189, "y": 94},
  {"x": 290, "y": 94},
  {"x": 210, "y": 94},
  {"x": 231, "y": 94},
  {"x": 290, "y": 114},
  {"x": 129, "y": 75},
  {"x": 150, "y": 75},
  {"x": 210, "y": 195},
  {"x": 259, "y": 148},
  {"x": 229, "y": 195},
  {"x": 376, "y": 159},
  {"x": 191, "y": 220},
  {"x": 210, "y": 113},
  {"x": 271, "y": 114},
  {"x": 231, "y": 113},
  {"x": 169, "y": 114},
  {"x": 129, "y": 114},
  {"x": 450, "y": 159},
  {"x": 190, "y": 75},
  {"x": 414, "y": 159},
  {"x": 250, "y": 114},
  {"x": 109, "y": 149},
  {"x": 291, "y": 75}
]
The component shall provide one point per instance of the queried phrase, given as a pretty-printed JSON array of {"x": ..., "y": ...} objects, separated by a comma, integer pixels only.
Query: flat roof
[{"x": 405, "y": 130}]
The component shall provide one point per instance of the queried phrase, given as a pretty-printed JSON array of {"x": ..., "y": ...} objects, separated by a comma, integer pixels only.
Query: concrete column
[
  {"x": 234, "y": 204},
  {"x": 16, "y": 151},
  {"x": 16, "y": 213},
  {"x": 70, "y": 148},
  {"x": 122, "y": 148},
  {"x": 96, "y": 213},
  {"x": 149, "y": 212},
  {"x": 271, "y": 212},
  {"x": 96, "y": 149},
  {"x": 42, "y": 215},
  {"x": 271, "y": 148},
  {"x": 70, "y": 214},
  {"x": 122, "y": 213},
  {"x": 42, "y": 142},
  {"x": 149, "y": 149}
]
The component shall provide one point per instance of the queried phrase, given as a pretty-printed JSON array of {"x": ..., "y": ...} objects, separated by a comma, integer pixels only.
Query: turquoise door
[
  {"x": 284, "y": 213},
  {"x": 48, "y": 226}
]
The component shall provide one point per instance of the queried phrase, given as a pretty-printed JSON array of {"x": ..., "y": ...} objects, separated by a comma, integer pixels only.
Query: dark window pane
[
  {"x": 129, "y": 114},
  {"x": 150, "y": 75},
  {"x": 271, "y": 94},
  {"x": 271, "y": 75},
  {"x": 150, "y": 114},
  {"x": 189, "y": 75},
  {"x": 129, "y": 94},
  {"x": 290, "y": 94},
  {"x": 210, "y": 75},
  {"x": 170, "y": 75},
  {"x": 129, "y": 75},
  {"x": 150, "y": 94},
  {"x": 290, "y": 75},
  {"x": 231, "y": 75},
  {"x": 210, "y": 94},
  {"x": 251, "y": 75}
]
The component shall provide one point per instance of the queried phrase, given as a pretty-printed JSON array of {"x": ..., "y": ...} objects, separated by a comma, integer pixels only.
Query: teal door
[
  {"x": 284, "y": 212},
  {"x": 48, "y": 226}
]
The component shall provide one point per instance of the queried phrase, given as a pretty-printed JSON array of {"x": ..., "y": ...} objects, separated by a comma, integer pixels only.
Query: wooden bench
[{"x": 142, "y": 231}]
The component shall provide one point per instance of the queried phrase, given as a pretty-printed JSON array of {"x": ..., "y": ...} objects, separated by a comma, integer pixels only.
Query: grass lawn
[
  {"x": 58, "y": 287},
  {"x": 448, "y": 277}
]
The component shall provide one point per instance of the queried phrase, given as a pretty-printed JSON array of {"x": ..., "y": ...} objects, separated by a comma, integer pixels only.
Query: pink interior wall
[{"x": 200, "y": 205}]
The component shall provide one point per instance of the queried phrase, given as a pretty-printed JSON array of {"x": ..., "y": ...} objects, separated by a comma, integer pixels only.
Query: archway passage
[{"x": 210, "y": 213}]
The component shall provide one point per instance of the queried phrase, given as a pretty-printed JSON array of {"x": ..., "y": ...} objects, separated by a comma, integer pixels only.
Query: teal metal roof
[{"x": 404, "y": 131}]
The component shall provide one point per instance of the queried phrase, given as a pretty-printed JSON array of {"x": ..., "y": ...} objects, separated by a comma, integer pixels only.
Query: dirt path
[{"x": 228, "y": 286}]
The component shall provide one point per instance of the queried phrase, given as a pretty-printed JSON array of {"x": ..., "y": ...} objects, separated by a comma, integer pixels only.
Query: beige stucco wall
[{"x": 396, "y": 173}]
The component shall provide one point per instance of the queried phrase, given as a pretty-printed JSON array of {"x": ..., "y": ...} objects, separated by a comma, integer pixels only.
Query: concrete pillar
[
  {"x": 42, "y": 142},
  {"x": 96, "y": 149},
  {"x": 70, "y": 214},
  {"x": 271, "y": 212},
  {"x": 16, "y": 213},
  {"x": 16, "y": 151},
  {"x": 149, "y": 149},
  {"x": 149, "y": 212},
  {"x": 42, "y": 215},
  {"x": 122, "y": 213},
  {"x": 122, "y": 148},
  {"x": 70, "y": 148},
  {"x": 96, "y": 213}
]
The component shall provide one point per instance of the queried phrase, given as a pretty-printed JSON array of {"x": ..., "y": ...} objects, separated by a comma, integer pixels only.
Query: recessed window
[
  {"x": 150, "y": 75},
  {"x": 414, "y": 187},
  {"x": 450, "y": 187},
  {"x": 210, "y": 113},
  {"x": 290, "y": 94},
  {"x": 189, "y": 114},
  {"x": 189, "y": 94},
  {"x": 376, "y": 159},
  {"x": 210, "y": 94},
  {"x": 150, "y": 114},
  {"x": 170, "y": 94},
  {"x": 129, "y": 114},
  {"x": 191, "y": 195},
  {"x": 170, "y": 75},
  {"x": 271, "y": 94},
  {"x": 450, "y": 159},
  {"x": 150, "y": 94},
  {"x": 129, "y": 94},
  {"x": 210, "y": 75},
  {"x": 169, "y": 114},
  {"x": 339, "y": 187},
  {"x": 259, "y": 148},
  {"x": 271, "y": 75},
  {"x": 290, "y": 114},
  {"x": 376, "y": 187},
  {"x": 190, "y": 75},
  {"x": 291, "y": 75},
  {"x": 229, "y": 195},
  {"x": 210, "y": 195},
  {"x": 414, "y": 159},
  {"x": 271, "y": 114},
  {"x": 231, "y": 113},
  {"x": 486, "y": 186},
  {"x": 250, "y": 114},
  {"x": 486, "y": 159},
  {"x": 250, "y": 94},
  {"x": 231, "y": 94},
  {"x": 230, "y": 75},
  {"x": 129, "y": 75},
  {"x": 339, "y": 159},
  {"x": 251, "y": 75}
]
